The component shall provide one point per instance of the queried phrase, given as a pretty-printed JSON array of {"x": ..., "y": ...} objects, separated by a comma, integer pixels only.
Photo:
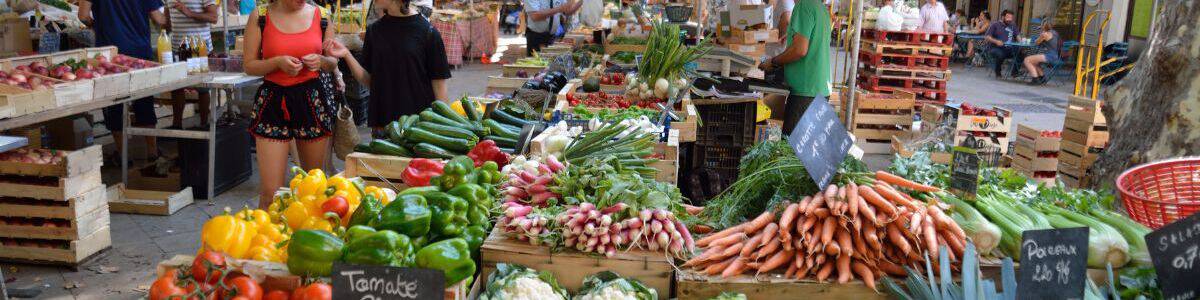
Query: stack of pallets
[
  {"x": 1035, "y": 154},
  {"x": 880, "y": 117},
  {"x": 1084, "y": 136},
  {"x": 915, "y": 62}
]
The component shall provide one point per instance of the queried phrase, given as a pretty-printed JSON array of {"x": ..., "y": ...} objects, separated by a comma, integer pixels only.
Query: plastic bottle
[{"x": 165, "y": 54}]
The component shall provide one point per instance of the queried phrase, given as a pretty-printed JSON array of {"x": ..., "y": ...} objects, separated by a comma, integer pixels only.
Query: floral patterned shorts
[{"x": 302, "y": 112}]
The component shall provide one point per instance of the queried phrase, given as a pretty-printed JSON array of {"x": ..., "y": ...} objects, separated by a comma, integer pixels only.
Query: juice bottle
[{"x": 165, "y": 54}]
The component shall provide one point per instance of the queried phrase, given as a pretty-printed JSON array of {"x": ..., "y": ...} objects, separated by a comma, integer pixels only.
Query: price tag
[
  {"x": 384, "y": 282},
  {"x": 820, "y": 141},
  {"x": 964, "y": 172},
  {"x": 1053, "y": 264},
  {"x": 1175, "y": 251},
  {"x": 762, "y": 35},
  {"x": 673, "y": 138}
]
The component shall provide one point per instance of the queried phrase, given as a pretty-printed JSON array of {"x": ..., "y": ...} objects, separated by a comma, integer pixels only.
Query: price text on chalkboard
[
  {"x": 1175, "y": 251},
  {"x": 355, "y": 282},
  {"x": 820, "y": 141},
  {"x": 1053, "y": 263},
  {"x": 964, "y": 171}
]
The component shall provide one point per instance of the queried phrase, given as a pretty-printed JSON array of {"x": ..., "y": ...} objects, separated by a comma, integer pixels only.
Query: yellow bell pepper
[
  {"x": 264, "y": 254},
  {"x": 341, "y": 184},
  {"x": 228, "y": 234},
  {"x": 458, "y": 108},
  {"x": 312, "y": 183},
  {"x": 379, "y": 193}
]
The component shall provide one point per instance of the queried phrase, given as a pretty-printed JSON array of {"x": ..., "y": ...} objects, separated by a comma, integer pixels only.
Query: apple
[
  {"x": 23, "y": 68},
  {"x": 18, "y": 77},
  {"x": 35, "y": 64}
]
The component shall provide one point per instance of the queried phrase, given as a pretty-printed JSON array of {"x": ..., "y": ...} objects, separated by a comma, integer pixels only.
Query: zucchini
[
  {"x": 364, "y": 148},
  {"x": 501, "y": 129},
  {"x": 408, "y": 121},
  {"x": 444, "y": 110},
  {"x": 384, "y": 147},
  {"x": 503, "y": 117},
  {"x": 468, "y": 106},
  {"x": 395, "y": 131},
  {"x": 449, "y": 143},
  {"x": 424, "y": 150},
  {"x": 502, "y": 141},
  {"x": 448, "y": 131},
  {"x": 430, "y": 116}
]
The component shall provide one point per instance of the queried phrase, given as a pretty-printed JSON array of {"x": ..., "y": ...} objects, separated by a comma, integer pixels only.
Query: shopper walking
[
  {"x": 934, "y": 17},
  {"x": 295, "y": 101},
  {"x": 805, "y": 62},
  {"x": 1003, "y": 31},
  {"x": 543, "y": 20},
  {"x": 404, "y": 63},
  {"x": 126, "y": 25},
  {"x": 189, "y": 21}
]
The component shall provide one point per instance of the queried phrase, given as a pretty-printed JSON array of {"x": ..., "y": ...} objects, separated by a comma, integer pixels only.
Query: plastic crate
[
  {"x": 678, "y": 13},
  {"x": 233, "y": 165},
  {"x": 1158, "y": 193},
  {"x": 727, "y": 124},
  {"x": 723, "y": 160}
]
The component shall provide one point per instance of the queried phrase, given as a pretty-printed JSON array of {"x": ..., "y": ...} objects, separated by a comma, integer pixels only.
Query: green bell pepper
[
  {"x": 385, "y": 247},
  {"x": 408, "y": 215},
  {"x": 420, "y": 242},
  {"x": 488, "y": 174},
  {"x": 367, "y": 211},
  {"x": 455, "y": 172},
  {"x": 474, "y": 235},
  {"x": 449, "y": 214},
  {"x": 420, "y": 190},
  {"x": 451, "y": 256},
  {"x": 312, "y": 252},
  {"x": 357, "y": 231},
  {"x": 480, "y": 202}
]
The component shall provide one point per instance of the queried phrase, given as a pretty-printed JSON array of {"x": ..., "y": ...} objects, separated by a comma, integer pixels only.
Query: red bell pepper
[
  {"x": 487, "y": 151},
  {"x": 420, "y": 171}
]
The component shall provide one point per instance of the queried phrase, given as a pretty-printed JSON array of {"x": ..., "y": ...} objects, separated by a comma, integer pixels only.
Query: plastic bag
[
  {"x": 888, "y": 19},
  {"x": 591, "y": 14}
]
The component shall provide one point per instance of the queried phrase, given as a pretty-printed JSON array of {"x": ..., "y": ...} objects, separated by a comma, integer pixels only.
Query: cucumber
[
  {"x": 424, "y": 150},
  {"x": 448, "y": 131},
  {"x": 430, "y": 116},
  {"x": 468, "y": 106},
  {"x": 501, "y": 129},
  {"x": 503, "y": 117},
  {"x": 449, "y": 143},
  {"x": 444, "y": 110},
  {"x": 502, "y": 141},
  {"x": 384, "y": 147},
  {"x": 364, "y": 148},
  {"x": 395, "y": 131}
]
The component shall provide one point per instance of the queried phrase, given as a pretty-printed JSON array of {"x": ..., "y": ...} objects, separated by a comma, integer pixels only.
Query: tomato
[
  {"x": 243, "y": 286},
  {"x": 206, "y": 289},
  {"x": 165, "y": 288},
  {"x": 208, "y": 267},
  {"x": 277, "y": 295},
  {"x": 337, "y": 205},
  {"x": 315, "y": 291}
]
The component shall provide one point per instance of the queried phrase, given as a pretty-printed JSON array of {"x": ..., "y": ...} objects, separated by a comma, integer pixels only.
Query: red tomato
[
  {"x": 208, "y": 291},
  {"x": 315, "y": 291},
  {"x": 208, "y": 267},
  {"x": 243, "y": 286},
  {"x": 165, "y": 288},
  {"x": 337, "y": 205},
  {"x": 276, "y": 295}
]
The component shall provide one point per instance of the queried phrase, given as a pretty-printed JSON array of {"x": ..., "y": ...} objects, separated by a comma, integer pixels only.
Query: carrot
[
  {"x": 692, "y": 210},
  {"x": 867, "y": 212},
  {"x": 904, "y": 183},
  {"x": 788, "y": 218},
  {"x": 914, "y": 224},
  {"x": 823, "y": 273},
  {"x": 944, "y": 222},
  {"x": 931, "y": 240},
  {"x": 729, "y": 240},
  {"x": 860, "y": 246},
  {"x": 872, "y": 237},
  {"x": 716, "y": 268},
  {"x": 808, "y": 224},
  {"x": 832, "y": 249},
  {"x": 749, "y": 246},
  {"x": 720, "y": 234},
  {"x": 831, "y": 192},
  {"x": 700, "y": 229},
  {"x": 804, "y": 204},
  {"x": 703, "y": 256},
  {"x": 732, "y": 250},
  {"x": 798, "y": 260},
  {"x": 827, "y": 230},
  {"x": 843, "y": 269},
  {"x": 820, "y": 259},
  {"x": 734, "y": 268},
  {"x": 844, "y": 242},
  {"x": 758, "y": 223},
  {"x": 894, "y": 235},
  {"x": 852, "y": 198},
  {"x": 818, "y": 201},
  {"x": 821, "y": 212},
  {"x": 890, "y": 268},
  {"x": 768, "y": 249},
  {"x": 875, "y": 199},
  {"x": 863, "y": 271},
  {"x": 891, "y": 194},
  {"x": 769, "y": 233},
  {"x": 791, "y": 271},
  {"x": 775, "y": 261}
]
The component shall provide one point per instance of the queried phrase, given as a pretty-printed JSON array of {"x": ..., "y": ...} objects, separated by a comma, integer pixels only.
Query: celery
[
  {"x": 1105, "y": 243},
  {"x": 982, "y": 232}
]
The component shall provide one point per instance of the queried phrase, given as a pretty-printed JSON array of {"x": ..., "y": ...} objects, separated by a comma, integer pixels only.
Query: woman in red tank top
[{"x": 295, "y": 101}]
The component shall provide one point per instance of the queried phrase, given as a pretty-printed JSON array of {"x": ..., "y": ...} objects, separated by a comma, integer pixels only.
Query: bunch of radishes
[
  {"x": 588, "y": 229},
  {"x": 528, "y": 180},
  {"x": 663, "y": 232},
  {"x": 521, "y": 222},
  {"x": 34, "y": 156}
]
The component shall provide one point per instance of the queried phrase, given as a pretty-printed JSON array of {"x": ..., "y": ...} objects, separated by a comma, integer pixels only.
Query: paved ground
[{"x": 139, "y": 242}]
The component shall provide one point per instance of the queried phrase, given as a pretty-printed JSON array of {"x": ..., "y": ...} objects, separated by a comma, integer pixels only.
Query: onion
[{"x": 660, "y": 87}]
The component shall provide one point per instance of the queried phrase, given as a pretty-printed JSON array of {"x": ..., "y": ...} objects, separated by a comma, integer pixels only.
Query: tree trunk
[{"x": 1154, "y": 113}]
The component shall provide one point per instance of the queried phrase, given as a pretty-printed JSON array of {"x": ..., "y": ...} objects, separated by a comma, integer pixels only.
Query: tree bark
[{"x": 1154, "y": 112}]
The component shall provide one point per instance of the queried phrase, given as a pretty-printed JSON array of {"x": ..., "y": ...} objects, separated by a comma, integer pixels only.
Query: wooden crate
[
  {"x": 1036, "y": 177},
  {"x": 1072, "y": 176},
  {"x": 511, "y": 70},
  {"x": 109, "y": 85},
  {"x": 1077, "y": 155},
  {"x": 74, "y": 208},
  {"x": 878, "y": 118},
  {"x": 68, "y": 93},
  {"x": 505, "y": 85},
  {"x": 1086, "y": 110},
  {"x": 692, "y": 285},
  {"x": 668, "y": 166},
  {"x": 74, "y": 253},
  {"x": 20, "y": 101},
  {"x": 570, "y": 267},
  {"x": 687, "y": 110},
  {"x": 738, "y": 36},
  {"x": 1028, "y": 159},
  {"x": 173, "y": 72},
  {"x": 274, "y": 275},
  {"x": 123, "y": 200},
  {"x": 75, "y": 163},
  {"x": 1002, "y": 122},
  {"x": 1091, "y": 138},
  {"x": 611, "y": 49},
  {"x": 1032, "y": 139},
  {"x": 368, "y": 165},
  {"x": 985, "y": 143},
  {"x": 754, "y": 50},
  {"x": 142, "y": 79},
  {"x": 59, "y": 189},
  {"x": 76, "y": 228}
]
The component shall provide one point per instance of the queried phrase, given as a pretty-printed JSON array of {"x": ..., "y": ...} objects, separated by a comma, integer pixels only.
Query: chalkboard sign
[
  {"x": 525, "y": 138},
  {"x": 1175, "y": 251},
  {"x": 1053, "y": 264},
  {"x": 964, "y": 171},
  {"x": 352, "y": 282},
  {"x": 820, "y": 141}
]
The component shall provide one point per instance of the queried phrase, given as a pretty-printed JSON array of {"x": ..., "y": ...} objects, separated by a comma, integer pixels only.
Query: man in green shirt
[{"x": 805, "y": 62}]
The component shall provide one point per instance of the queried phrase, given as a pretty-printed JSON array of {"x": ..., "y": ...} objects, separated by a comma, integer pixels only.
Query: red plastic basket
[{"x": 1158, "y": 193}]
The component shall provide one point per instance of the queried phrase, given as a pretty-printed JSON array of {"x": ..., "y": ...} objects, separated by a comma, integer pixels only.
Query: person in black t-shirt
[{"x": 404, "y": 63}]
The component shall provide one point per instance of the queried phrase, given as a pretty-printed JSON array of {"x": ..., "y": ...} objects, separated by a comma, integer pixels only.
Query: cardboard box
[
  {"x": 739, "y": 36},
  {"x": 69, "y": 133},
  {"x": 14, "y": 35},
  {"x": 747, "y": 16},
  {"x": 756, "y": 51}
]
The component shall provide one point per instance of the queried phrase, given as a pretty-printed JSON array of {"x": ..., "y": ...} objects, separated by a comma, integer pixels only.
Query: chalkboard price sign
[
  {"x": 1053, "y": 263},
  {"x": 365, "y": 282},
  {"x": 964, "y": 171},
  {"x": 1175, "y": 251},
  {"x": 820, "y": 141}
]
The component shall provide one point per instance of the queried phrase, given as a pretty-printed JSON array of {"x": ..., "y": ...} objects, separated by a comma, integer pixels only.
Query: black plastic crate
[
  {"x": 722, "y": 160},
  {"x": 727, "y": 124},
  {"x": 233, "y": 165}
]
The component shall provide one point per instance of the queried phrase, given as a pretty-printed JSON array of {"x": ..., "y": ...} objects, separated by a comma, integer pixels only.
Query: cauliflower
[
  {"x": 526, "y": 288},
  {"x": 611, "y": 292},
  {"x": 610, "y": 286},
  {"x": 515, "y": 282}
]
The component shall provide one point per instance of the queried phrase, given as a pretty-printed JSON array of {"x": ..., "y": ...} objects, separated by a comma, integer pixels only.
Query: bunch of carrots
[{"x": 858, "y": 231}]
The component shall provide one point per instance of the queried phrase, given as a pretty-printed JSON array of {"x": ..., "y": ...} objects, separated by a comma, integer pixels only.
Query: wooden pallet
[
  {"x": 910, "y": 37},
  {"x": 872, "y": 82},
  {"x": 570, "y": 267},
  {"x": 74, "y": 253},
  {"x": 692, "y": 285},
  {"x": 84, "y": 214},
  {"x": 904, "y": 48},
  {"x": 894, "y": 71},
  {"x": 368, "y": 165},
  {"x": 131, "y": 201},
  {"x": 868, "y": 56},
  {"x": 60, "y": 188},
  {"x": 75, "y": 163}
]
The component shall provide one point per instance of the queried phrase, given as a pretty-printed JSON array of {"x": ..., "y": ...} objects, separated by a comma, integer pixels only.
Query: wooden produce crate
[
  {"x": 1082, "y": 118},
  {"x": 611, "y": 49},
  {"x": 18, "y": 101},
  {"x": 274, "y": 276},
  {"x": 68, "y": 93},
  {"x": 505, "y": 85},
  {"x": 109, "y": 85},
  {"x": 880, "y": 117},
  {"x": 754, "y": 50},
  {"x": 49, "y": 188},
  {"x": 1034, "y": 154},
  {"x": 72, "y": 253},
  {"x": 146, "y": 202},
  {"x": 368, "y": 165},
  {"x": 510, "y": 70},
  {"x": 668, "y": 166},
  {"x": 1078, "y": 155},
  {"x": 738, "y": 36},
  {"x": 1031, "y": 138},
  {"x": 75, "y": 163},
  {"x": 1001, "y": 123},
  {"x": 696, "y": 286},
  {"x": 73, "y": 219},
  {"x": 173, "y": 72},
  {"x": 141, "y": 79},
  {"x": 570, "y": 267},
  {"x": 1073, "y": 176},
  {"x": 984, "y": 144}
]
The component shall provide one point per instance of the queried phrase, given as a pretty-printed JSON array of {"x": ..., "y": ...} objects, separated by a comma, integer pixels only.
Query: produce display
[
  {"x": 534, "y": 61},
  {"x": 582, "y": 111},
  {"x": 552, "y": 81},
  {"x": 212, "y": 275},
  {"x": 624, "y": 57},
  {"x": 516, "y": 282},
  {"x": 444, "y": 131},
  {"x": 28, "y": 77},
  {"x": 661, "y": 67},
  {"x": 34, "y": 156}
]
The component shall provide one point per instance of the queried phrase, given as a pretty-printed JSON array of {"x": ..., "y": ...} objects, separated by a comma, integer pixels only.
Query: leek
[
  {"x": 1105, "y": 244},
  {"x": 982, "y": 232},
  {"x": 1011, "y": 220},
  {"x": 1133, "y": 232}
]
